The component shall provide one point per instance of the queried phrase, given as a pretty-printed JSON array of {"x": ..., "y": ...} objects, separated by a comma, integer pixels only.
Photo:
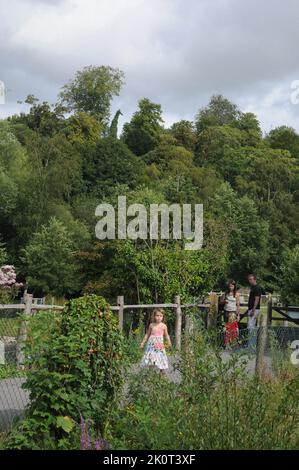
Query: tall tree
[
  {"x": 219, "y": 112},
  {"x": 184, "y": 133},
  {"x": 143, "y": 132},
  {"x": 110, "y": 162},
  {"x": 48, "y": 261},
  {"x": 92, "y": 90},
  {"x": 286, "y": 138}
]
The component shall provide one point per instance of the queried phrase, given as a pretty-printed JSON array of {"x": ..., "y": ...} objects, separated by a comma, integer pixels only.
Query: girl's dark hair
[{"x": 235, "y": 287}]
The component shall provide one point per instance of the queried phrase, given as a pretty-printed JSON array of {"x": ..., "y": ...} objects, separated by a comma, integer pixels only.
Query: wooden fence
[
  {"x": 211, "y": 307},
  {"x": 29, "y": 309}
]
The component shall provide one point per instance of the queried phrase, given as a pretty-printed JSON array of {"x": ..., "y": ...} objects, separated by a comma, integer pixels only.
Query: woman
[{"x": 231, "y": 300}]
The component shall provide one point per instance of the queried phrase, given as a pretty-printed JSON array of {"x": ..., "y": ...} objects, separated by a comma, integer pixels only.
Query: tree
[
  {"x": 109, "y": 163},
  {"x": 249, "y": 123},
  {"x": 48, "y": 261},
  {"x": 184, "y": 133},
  {"x": 219, "y": 112},
  {"x": 288, "y": 276},
  {"x": 286, "y": 138},
  {"x": 214, "y": 142},
  {"x": 114, "y": 124},
  {"x": 13, "y": 157},
  {"x": 167, "y": 151},
  {"x": 248, "y": 248},
  {"x": 56, "y": 164},
  {"x": 143, "y": 132},
  {"x": 82, "y": 129},
  {"x": 268, "y": 174},
  {"x": 92, "y": 90}
]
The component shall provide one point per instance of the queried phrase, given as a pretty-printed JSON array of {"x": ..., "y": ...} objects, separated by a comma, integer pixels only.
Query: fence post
[
  {"x": 213, "y": 310},
  {"x": 178, "y": 322},
  {"x": 261, "y": 345},
  {"x": 22, "y": 333},
  {"x": 120, "y": 303},
  {"x": 269, "y": 309}
]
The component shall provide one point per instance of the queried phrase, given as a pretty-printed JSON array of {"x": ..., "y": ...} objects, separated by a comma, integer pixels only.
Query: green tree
[
  {"x": 288, "y": 276},
  {"x": 284, "y": 137},
  {"x": 92, "y": 90},
  {"x": 249, "y": 123},
  {"x": 185, "y": 134},
  {"x": 82, "y": 129},
  {"x": 48, "y": 261},
  {"x": 248, "y": 248},
  {"x": 143, "y": 132},
  {"x": 215, "y": 142},
  {"x": 219, "y": 112},
  {"x": 109, "y": 163}
]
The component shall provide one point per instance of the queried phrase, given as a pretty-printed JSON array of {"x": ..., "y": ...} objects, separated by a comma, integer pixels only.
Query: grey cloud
[{"x": 177, "y": 53}]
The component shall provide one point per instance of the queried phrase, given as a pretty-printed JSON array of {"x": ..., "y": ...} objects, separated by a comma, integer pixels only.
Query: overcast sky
[{"x": 175, "y": 52}]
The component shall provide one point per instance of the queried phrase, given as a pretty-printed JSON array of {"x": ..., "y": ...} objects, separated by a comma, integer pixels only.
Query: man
[{"x": 254, "y": 302}]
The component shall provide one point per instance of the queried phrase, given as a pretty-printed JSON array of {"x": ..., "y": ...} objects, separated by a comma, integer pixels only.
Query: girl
[
  {"x": 231, "y": 301},
  {"x": 155, "y": 354},
  {"x": 231, "y": 330}
]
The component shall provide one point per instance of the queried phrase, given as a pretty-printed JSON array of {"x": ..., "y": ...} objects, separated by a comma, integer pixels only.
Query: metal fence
[{"x": 13, "y": 399}]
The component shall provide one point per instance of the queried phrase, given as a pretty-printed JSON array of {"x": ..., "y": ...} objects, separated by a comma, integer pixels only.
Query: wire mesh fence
[{"x": 13, "y": 399}]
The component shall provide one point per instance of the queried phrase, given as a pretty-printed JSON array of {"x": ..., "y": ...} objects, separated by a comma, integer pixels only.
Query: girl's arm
[
  {"x": 146, "y": 336},
  {"x": 167, "y": 336}
]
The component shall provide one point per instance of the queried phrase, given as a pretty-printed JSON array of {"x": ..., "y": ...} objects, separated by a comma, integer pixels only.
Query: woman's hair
[
  {"x": 235, "y": 287},
  {"x": 154, "y": 312}
]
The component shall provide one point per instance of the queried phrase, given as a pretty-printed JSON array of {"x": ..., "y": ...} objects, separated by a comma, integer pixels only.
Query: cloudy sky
[{"x": 175, "y": 52}]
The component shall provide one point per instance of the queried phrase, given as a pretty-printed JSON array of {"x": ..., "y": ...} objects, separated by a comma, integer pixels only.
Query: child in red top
[{"x": 231, "y": 330}]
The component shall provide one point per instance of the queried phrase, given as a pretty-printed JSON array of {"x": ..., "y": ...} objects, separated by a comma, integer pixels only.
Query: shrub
[{"x": 75, "y": 362}]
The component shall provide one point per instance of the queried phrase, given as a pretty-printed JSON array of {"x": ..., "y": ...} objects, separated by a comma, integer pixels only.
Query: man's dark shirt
[{"x": 255, "y": 291}]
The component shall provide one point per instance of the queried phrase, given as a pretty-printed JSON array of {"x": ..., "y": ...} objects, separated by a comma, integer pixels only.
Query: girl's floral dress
[{"x": 155, "y": 354}]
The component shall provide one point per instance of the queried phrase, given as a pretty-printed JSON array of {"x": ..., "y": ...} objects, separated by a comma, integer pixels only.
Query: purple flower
[
  {"x": 97, "y": 445},
  {"x": 85, "y": 439}
]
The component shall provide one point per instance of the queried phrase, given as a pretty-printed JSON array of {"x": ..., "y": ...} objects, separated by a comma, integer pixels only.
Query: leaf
[{"x": 65, "y": 422}]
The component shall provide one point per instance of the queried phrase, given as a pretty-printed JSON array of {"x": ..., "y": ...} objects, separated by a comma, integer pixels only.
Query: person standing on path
[
  {"x": 254, "y": 301},
  {"x": 155, "y": 354},
  {"x": 231, "y": 301},
  {"x": 254, "y": 305}
]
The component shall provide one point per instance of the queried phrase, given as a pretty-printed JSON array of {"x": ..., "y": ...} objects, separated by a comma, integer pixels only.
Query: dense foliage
[
  {"x": 75, "y": 365},
  {"x": 58, "y": 162}
]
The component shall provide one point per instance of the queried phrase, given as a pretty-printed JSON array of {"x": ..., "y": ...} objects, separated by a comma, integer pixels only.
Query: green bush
[{"x": 75, "y": 362}]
